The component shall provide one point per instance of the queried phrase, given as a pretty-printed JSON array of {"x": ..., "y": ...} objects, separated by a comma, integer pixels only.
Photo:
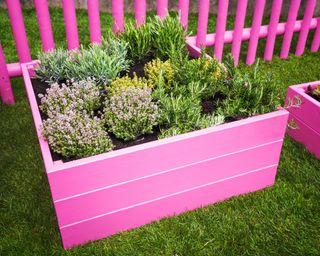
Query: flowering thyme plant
[
  {"x": 79, "y": 96},
  {"x": 76, "y": 134},
  {"x": 130, "y": 112}
]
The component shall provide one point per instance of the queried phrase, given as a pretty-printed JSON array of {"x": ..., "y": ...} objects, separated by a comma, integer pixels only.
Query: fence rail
[{"x": 216, "y": 40}]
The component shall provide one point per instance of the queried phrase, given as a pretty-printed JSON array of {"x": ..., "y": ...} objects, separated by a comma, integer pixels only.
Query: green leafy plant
[
  {"x": 138, "y": 39},
  {"x": 314, "y": 92},
  {"x": 158, "y": 71},
  {"x": 52, "y": 66},
  {"x": 76, "y": 134},
  {"x": 130, "y": 112},
  {"x": 169, "y": 37},
  {"x": 103, "y": 63},
  {"x": 125, "y": 82}
]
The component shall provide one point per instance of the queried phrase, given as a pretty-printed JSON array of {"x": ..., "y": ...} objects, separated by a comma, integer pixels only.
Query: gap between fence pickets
[
  {"x": 14, "y": 69},
  {"x": 166, "y": 171},
  {"x": 170, "y": 195}
]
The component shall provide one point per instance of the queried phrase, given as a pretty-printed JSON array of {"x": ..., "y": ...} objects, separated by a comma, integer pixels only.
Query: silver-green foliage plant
[
  {"x": 103, "y": 63},
  {"x": 130, "y": 112},
  {"x": 76, "y": 134},
  {"x": 169, "y": 37},
  {"x": 249, "y": 94},
  {"x": 76, "y": 95},
  {"x": 52, "y": 66},
  {"x": 138, "y": 39}
]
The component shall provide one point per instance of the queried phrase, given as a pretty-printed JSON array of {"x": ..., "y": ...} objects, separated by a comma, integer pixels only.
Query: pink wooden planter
[
  {"x": 305, "y": 115},
  {"x": 98, "y": 196}
]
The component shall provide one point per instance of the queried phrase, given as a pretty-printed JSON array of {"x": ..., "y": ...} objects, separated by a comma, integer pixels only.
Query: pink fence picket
[
  {"x": 316, "y": 39},
  {"x": 162, "y": 8},
  {"x": 94, "y": 21},
  {"x": 140, "y": 11},
  {"x": 118, "y": 15},
  {"x": 221, "y": 28},
  {"x": 203, "y": 16},
  {"x": 69, "y": 14},
  {"x": 6, "y": 93},
  {"x": 183, "y": 7}
]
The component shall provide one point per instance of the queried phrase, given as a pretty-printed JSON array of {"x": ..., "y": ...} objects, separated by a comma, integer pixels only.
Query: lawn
[{"x": 281, "y": 220}]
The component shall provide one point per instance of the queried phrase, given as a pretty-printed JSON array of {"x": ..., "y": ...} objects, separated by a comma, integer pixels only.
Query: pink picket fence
[{"x": 216, "y": 40}]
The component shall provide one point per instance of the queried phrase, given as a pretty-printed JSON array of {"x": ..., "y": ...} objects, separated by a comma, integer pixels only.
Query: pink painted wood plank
[
  {"x": 203, "y": 16},
  {"x": 45, "y": 29},
  {"x": 308, "y": 14},
  {"x": 118, "y": 15},
  {"x": 221, "y": 28},
  {"x": 115, "y": 222},
  {"x": 309, "y": 111},
  {"x": 111, "y": 168},
  {"x": 70, "y": 20},
  {"x": 94, "y": 21},
  {"x": 162, "y": 8},
  {"x": 173, "y": 181},
  {"x": 316, "y": 39},
  {"x": 306, "y": 135},
  {"x": 292, "y": 16},
  {"x": 46, "y": 155},
  {"x": 14, "y": 69},
  {"x": 183, "y": 6},
  {"x": 18, "y": 29},
  {"x": 228, "y": 36},
  {"x": 254, "y": 34},
  {"x": 238, "y": 29},
  {"x": 272, "y": 29},
  {"x": 140, "y": 11},
  {"x": 6, "y": 93}
]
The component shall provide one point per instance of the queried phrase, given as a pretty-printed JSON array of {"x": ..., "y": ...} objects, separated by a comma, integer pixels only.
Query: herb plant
[
  {"x": 130, "y": 112},
  {"x": 126, "y": 81}
]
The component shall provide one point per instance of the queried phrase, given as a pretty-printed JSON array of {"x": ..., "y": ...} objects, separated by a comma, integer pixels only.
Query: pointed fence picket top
[{"x": 239, "y": 34}]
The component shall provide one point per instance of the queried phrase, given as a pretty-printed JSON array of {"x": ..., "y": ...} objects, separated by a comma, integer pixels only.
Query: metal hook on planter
[
  {"x": 296, "y": 102},
  {"x": 293, "y": 125}
]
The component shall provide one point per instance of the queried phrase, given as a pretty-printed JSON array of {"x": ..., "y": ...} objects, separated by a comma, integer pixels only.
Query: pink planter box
[
  {"x": 98, "y": 196},
  {"x": 305, "y": 115}
]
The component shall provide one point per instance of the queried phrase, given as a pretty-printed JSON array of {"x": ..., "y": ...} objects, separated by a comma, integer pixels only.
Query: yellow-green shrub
[{"x": 125, "y": 82}]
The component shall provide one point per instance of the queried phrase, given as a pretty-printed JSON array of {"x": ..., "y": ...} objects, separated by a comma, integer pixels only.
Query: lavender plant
[
  {"x": 78, "y": 96},
  {"x": 52, "y": 66},
  {"x": 103, "y": 63},
  {"x": 131, "y": 112},
  {"x": 76, "y": 134}
]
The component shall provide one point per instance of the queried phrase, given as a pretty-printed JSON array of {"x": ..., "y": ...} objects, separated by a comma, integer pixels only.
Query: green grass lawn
[{"x": 281, "y": 220}]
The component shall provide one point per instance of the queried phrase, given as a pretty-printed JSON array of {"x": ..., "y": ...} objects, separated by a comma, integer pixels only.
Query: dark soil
[
  {"x": 138, "y": 67},
  {"x": 311, "y": 93}
]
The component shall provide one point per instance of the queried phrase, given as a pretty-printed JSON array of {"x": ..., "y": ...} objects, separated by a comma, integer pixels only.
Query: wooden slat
[
  {"x": 140, "y": 11},
  {"x": 106, "y": 225},
  {"x": 18, "y": 29},
  {"x": 45, "y": 29},
  {"x": 118, "y": 15},
  {"x": 183, "y": 6},
  {"x": 162, "y": 8},
  {"x": 316, "y": 39},
  {"x": 70, "y": 20},
  {"x": 308, "y": 14},
  {"x": 272, "y": 29},
  {"x": 203, "y": 16},
  {"x": 94, "y": 21},
  {"x": 287, "y": 38},
  {"x": 221, "y": 28},
  {"x": 238, "y": 28},
  {"x": 6, "y": 93},
  {"x": 254, "y": 35},
  {"x": 74, "y": 177}
]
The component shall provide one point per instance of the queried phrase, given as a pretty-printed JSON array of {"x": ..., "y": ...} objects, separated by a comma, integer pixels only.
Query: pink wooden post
[
  {"x": 292, "y": 16},
  {"x": 272, "y": 29},
  {"x": 118, "y": 15},
  {"x": 69, "y": 14},
  {"x": 316, "y": 39},
  {"x": 254, "y": 34},
  {"x": 94, "y": 21},
  {"x": 162, "y": 8},
  {"x": 6, "y": 93},
  {"x": 221, "y": 28},
  {"x": 45, "y": 28},
  {"x": 311, "y": 5},
  {"x": 183, "y": 7},
  {"x": 203, "y": 16},
  {"x": 238, "y": 28},
  {"x": 140, "y": 11},
  {"x": 18, "y": 29}
]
